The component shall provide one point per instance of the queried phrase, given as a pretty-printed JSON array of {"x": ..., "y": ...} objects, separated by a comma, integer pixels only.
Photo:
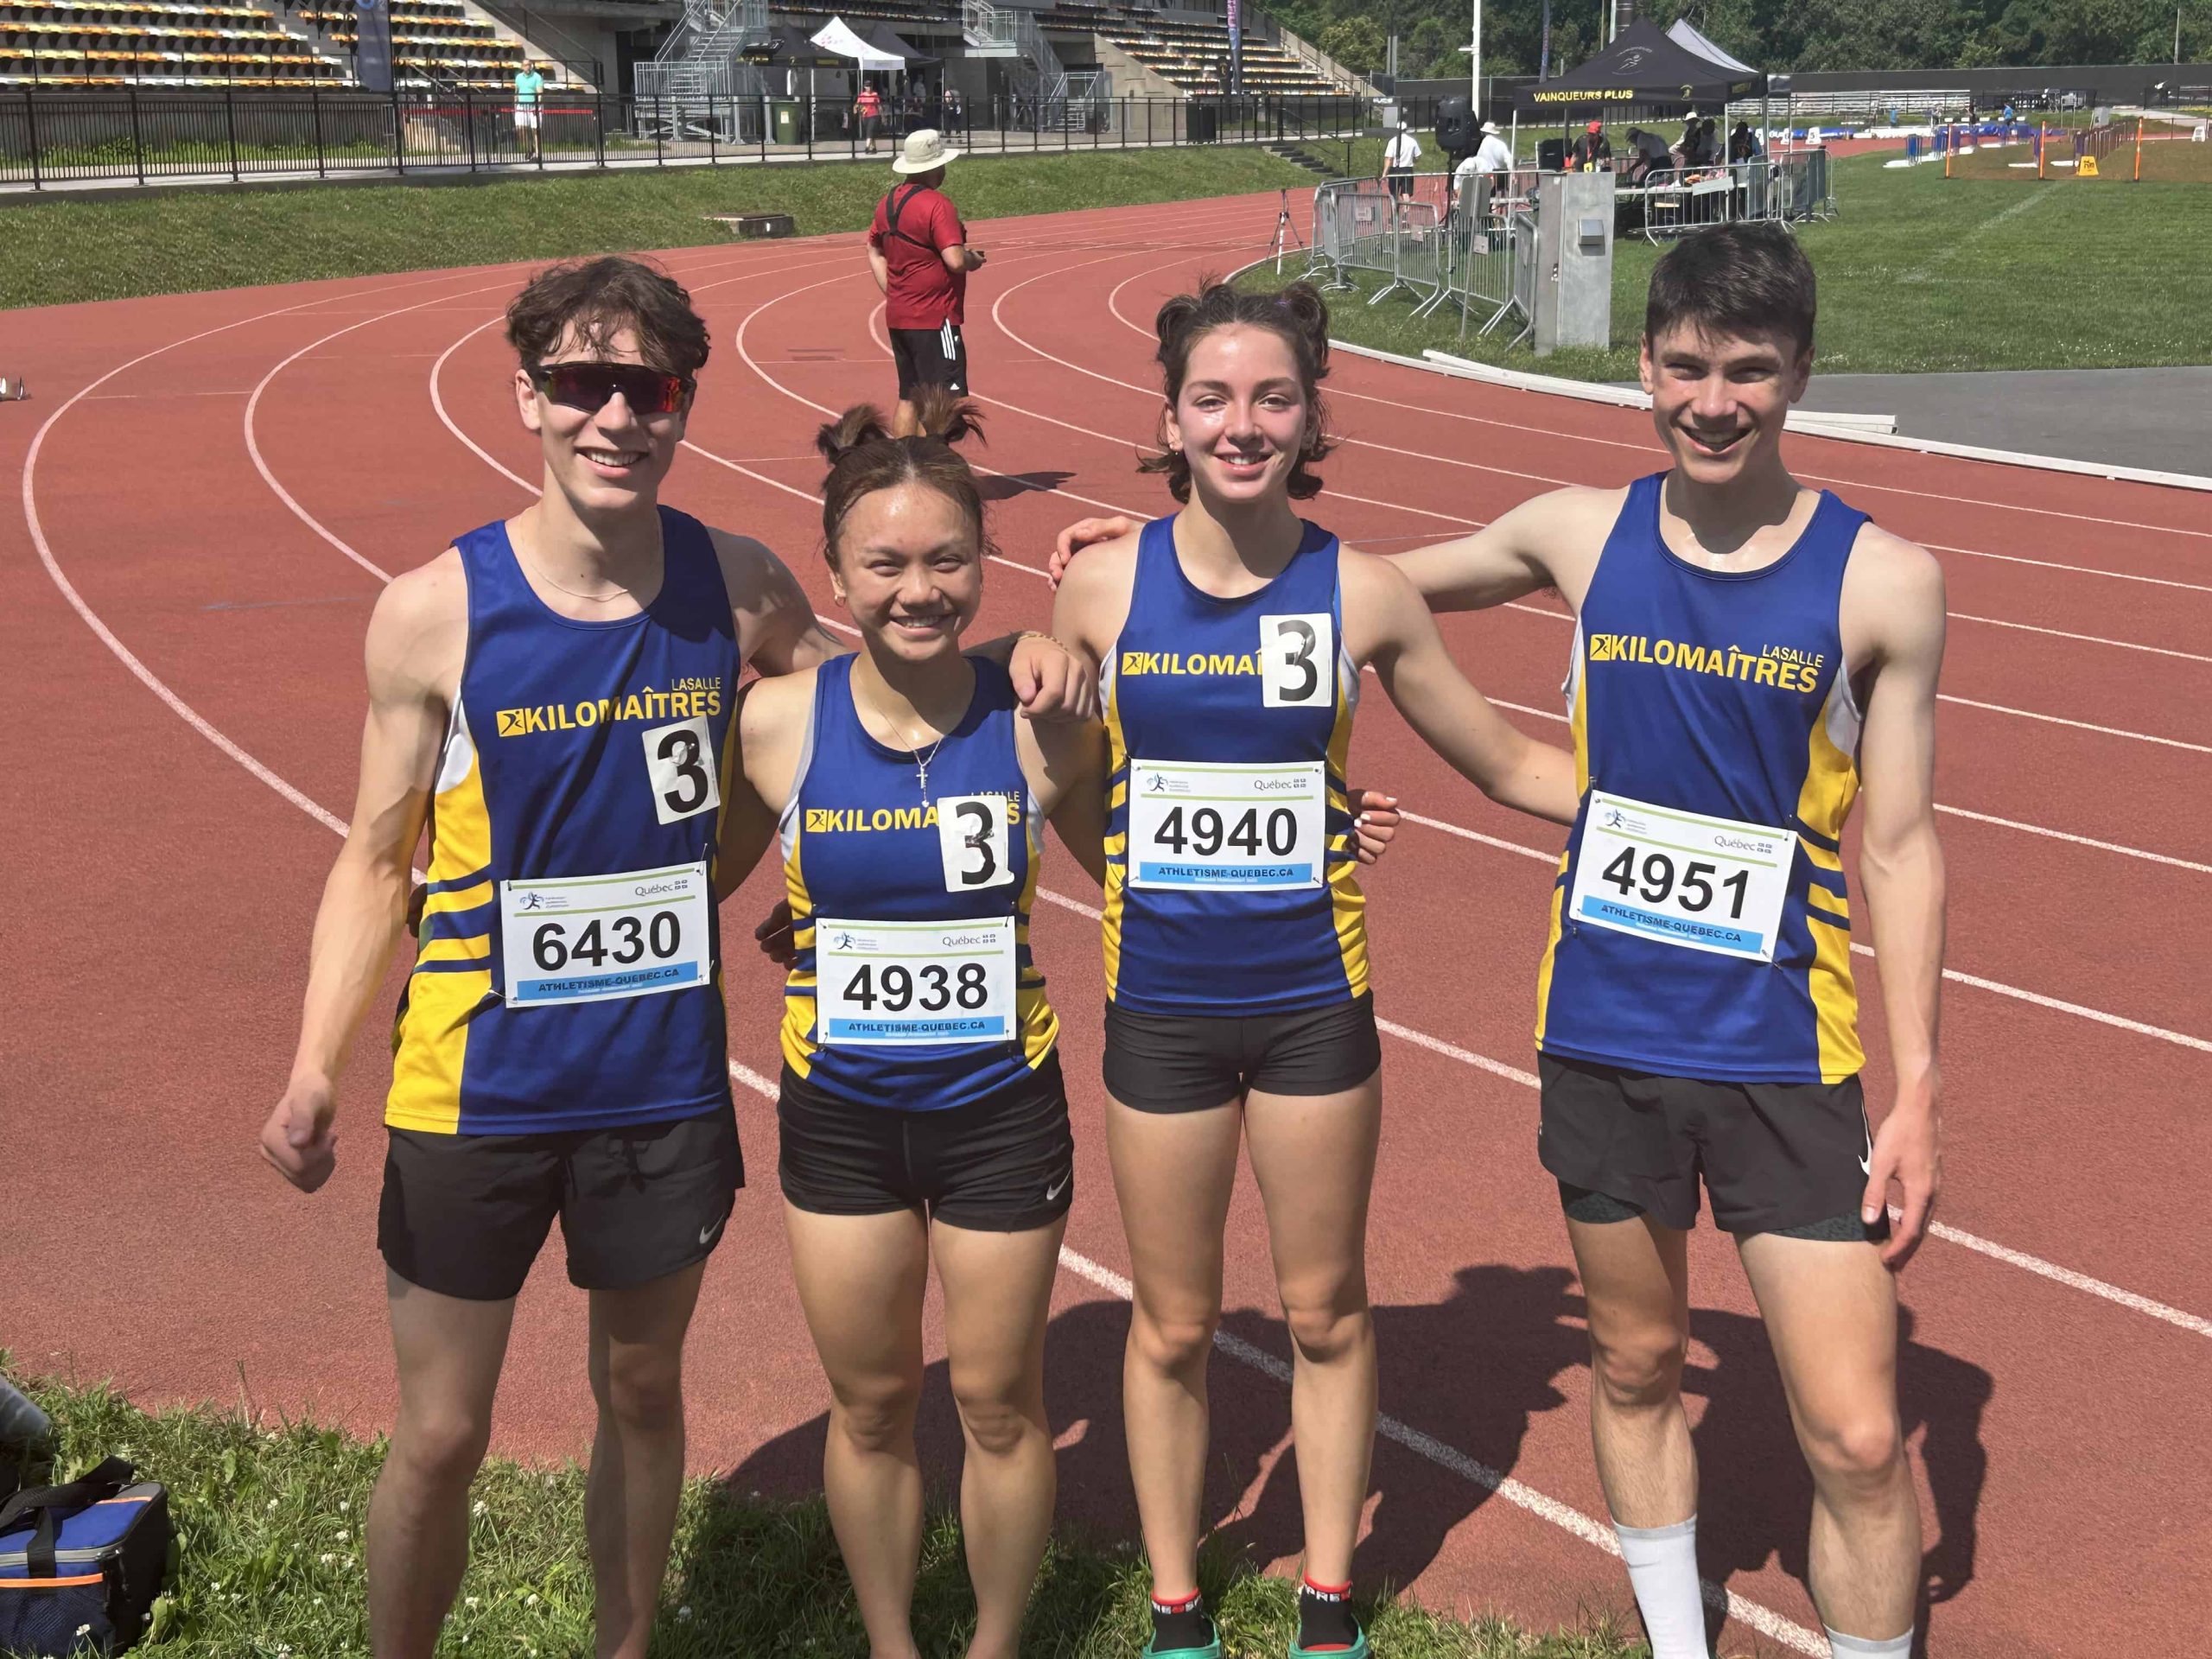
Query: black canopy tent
[{"x": 1641, "y": 67}]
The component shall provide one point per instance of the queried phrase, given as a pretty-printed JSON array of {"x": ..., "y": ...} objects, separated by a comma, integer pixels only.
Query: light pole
[{"x": 1475, "y": 66}]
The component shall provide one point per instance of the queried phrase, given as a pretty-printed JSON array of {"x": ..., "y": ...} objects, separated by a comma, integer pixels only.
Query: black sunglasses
[{"x": 591, "y": 385}]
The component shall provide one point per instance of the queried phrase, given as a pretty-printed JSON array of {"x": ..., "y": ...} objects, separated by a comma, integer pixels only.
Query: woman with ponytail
[
  {"x": 1230, "y": 636},
  {"x": 921, "y": 1108}
]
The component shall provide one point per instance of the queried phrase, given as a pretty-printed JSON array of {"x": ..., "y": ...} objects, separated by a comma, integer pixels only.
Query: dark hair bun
[{"x": 863, "y": 423}]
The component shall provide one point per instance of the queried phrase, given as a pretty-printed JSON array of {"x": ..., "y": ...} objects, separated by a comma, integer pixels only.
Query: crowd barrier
[{"x": 1445, "y": 248}]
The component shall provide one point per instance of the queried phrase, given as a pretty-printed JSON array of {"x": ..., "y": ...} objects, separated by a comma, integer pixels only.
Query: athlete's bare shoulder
[
  {"x": 418, "y": 632},
  {"x": 1893, "y": 602},
  {"x": 773, "y": 709},
  {"x": 772, "y": 611},
  {"x": 1565, "y": 529}
]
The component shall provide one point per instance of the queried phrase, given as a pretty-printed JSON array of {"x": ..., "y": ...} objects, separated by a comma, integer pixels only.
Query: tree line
[{"x": 1772, "y": 34}]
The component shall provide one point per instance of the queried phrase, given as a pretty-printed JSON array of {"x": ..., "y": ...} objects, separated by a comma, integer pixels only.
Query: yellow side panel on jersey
[
  {"x": 1348, "y": 905},
  {"x": 1576, "y": 703},
  {"x": 1040, "y": 1025},
  {"x": 796, "y": 1032},
  {"x": 1117, "y": 845},
  {"x": 1831, "y": 786},
  {"x": 429, "y": 1039},
  {"x": 430, "y": 1049}
]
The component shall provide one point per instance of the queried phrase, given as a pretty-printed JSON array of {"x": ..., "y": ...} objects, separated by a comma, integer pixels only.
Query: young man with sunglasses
[{"x": 555, "y": 696}]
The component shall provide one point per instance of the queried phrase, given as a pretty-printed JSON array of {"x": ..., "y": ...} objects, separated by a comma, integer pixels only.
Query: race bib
[
  {"x": 1706, "y": 884},
  {"x": 1210, "y": 825},
  {"x": 887, "y": 984},
  {"x": 591, "y": 938}
]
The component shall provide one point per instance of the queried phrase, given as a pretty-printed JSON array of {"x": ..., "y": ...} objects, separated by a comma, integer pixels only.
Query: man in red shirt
[{"x": 918, "y": 250}]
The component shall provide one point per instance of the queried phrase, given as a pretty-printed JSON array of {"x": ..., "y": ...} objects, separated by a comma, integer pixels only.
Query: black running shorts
[
  {"x": 1189, "y": 1062},
  {"x": 929, "y": 357},
  {"x": 1773, "y": 1157},
  {"x": 464, "y": 1215},
  {"x": 1002, "y": 1165}
]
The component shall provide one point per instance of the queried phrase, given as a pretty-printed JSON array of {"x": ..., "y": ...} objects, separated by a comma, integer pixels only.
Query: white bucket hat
[
  {"x": 1490, "y": 127},
  {"x": 923, "y": 152}
]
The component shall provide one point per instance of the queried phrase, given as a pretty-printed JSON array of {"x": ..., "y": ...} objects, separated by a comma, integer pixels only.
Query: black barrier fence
[{"x": 142, "y": 136}]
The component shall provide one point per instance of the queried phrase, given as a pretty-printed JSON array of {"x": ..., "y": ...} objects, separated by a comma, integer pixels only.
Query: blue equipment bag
[{"x": 81, "y": 1564}]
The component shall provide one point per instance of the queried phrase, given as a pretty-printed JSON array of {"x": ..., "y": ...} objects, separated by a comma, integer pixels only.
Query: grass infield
[
  {"x": 56, "y": 252},
  {"x": 1920, "y": 273},
  {"x": 269, "y": 1522}
]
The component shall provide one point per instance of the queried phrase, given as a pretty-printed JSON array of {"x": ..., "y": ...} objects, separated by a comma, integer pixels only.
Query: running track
[{"x": 214, "y": 487}]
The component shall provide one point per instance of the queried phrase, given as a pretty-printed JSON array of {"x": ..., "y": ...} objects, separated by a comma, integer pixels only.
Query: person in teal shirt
[{"x": 530, "y": 86}]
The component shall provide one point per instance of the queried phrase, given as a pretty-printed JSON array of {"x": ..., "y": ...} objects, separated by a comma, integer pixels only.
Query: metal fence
[
  {"x": 1789, "y": 187},
  {"x": 50, "y": 138},
  {"x": 1441, "y": 250}
]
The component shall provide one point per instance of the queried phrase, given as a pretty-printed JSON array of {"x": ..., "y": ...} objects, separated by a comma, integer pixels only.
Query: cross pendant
[{"x": 921, "y": 772}]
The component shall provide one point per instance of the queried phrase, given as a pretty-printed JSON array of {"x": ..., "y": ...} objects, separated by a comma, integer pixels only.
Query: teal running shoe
[{"x": 1359, "y": 1649}]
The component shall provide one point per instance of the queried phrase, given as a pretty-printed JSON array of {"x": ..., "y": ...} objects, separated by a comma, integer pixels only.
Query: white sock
[
  {"x": 1864, "y": 1647},
  {"x": 1662, "y": 1570}
]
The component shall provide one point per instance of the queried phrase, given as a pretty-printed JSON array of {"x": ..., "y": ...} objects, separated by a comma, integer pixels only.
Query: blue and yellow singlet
[
  {"x": 1700, "y": 927},
  {"x": 914, "y": 987},
  {"x": 1229, "y": 869},
  {"x": 568, "y": 976}
]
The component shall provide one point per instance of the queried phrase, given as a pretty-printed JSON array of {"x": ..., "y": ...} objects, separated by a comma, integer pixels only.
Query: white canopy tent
[
  {"x": 1687, "y": 35},
  {"x": 836, "y": 35}
]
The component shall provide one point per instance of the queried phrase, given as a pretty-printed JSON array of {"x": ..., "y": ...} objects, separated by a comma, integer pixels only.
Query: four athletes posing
[{"x": 561, "y": 1046}]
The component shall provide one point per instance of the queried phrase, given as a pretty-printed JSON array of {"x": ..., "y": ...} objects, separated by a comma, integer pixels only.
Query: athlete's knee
[
  {"x": 876, "y": 1415},
  {"x": 1174, "y": 1342},
  {"x": 1639, "y": 1369},
  {"x": 440, "y": 1450},
  {"x": 1856, "y": 1452},
  {"x": 998, "y": 1411},
  {"x": 1326, "y": 1328},
  {"x": 641, "y": 1389}
]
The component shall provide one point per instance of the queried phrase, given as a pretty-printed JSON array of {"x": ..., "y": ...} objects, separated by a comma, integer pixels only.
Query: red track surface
[{"x": 218, "y": 499}]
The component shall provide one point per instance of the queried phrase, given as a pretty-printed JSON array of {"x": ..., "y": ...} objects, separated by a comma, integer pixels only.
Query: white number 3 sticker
[
  {"x": 1298, "y": 661},
  {"x": 971, "y": 837},
  {"x": 680, "y": 761}
]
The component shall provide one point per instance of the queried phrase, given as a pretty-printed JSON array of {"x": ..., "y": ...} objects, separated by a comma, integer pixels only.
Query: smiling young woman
[{"x": 1230, "y": 636}]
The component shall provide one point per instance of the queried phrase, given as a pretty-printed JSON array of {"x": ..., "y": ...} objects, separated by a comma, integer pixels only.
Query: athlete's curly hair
[
  {"x": 864, "y": 458},
  {"x": 1297, "y": 313},
  {"x": 599, "y": 298}
]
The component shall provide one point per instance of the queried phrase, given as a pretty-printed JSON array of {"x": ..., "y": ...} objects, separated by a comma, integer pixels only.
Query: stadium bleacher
[
  {"x": 296, "y": 44},
  {"x": 1186, "y": 53}
]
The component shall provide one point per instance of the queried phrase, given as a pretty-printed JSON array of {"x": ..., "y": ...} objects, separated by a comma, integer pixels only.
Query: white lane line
[
  {"x": 2078, "y": 725},
  {"x": 2099, "y": 519},
  {"x": 1520, "y": 1494},
  {"x": 2086, "y": 639},
  {"x": 2074, "y": 569}
]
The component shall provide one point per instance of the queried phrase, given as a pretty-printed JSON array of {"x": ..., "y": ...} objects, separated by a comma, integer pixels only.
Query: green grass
[
  {"x": 1920, "y": 273},
  {"x": 270, "y": 1528},
  {"x": 56, "y": 252}
]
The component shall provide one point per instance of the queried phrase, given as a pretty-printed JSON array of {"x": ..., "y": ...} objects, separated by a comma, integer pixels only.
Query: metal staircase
[
  {"x": 698, "y": 82},
  {"x": 1035, "y": 75}
]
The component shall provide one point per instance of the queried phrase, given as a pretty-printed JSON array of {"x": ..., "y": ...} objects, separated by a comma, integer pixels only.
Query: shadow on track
[{"x": 1473, "y": 1370}]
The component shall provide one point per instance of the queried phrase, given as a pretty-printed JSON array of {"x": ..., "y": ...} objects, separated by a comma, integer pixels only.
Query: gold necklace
[{"x": 539, "y": 571}]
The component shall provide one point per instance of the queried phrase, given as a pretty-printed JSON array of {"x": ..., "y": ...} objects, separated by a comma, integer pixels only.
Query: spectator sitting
[
  {"x": 1592, "y": 151},
  {"x": 1708, "y": 142},
  {"x": 1647, "y": 154},
  {"x": 1683, "y": 151},
  {"x": 1742, "y": 144}
]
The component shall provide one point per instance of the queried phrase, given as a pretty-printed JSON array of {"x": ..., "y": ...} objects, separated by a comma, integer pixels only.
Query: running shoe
[{"x": 1359, "y": 1649}]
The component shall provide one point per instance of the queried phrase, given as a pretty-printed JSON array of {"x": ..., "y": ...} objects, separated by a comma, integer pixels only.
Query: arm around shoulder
[{"x": 1537, "y": 544}]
